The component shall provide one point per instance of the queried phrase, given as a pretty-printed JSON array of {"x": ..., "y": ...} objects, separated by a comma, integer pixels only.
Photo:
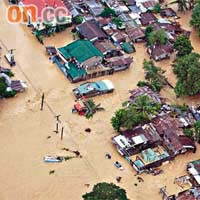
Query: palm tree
[
  {"x": 182, "y": 4},
  {"x": 145, "y": 105},
  {"x": 92, "y": 108}
]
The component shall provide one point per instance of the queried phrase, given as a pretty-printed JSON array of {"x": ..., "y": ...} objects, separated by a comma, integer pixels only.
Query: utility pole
[
  {"x": 57, "y": 118},
  {"x": 56, "y": 131},
  {"x": 62, "y": 132},
  {"x": 42, "y": 102}
]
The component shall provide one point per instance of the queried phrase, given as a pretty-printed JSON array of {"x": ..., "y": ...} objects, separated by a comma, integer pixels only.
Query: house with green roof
[
  {"x": 81, "y": 60},
  {"x": 82, "y": 51}
]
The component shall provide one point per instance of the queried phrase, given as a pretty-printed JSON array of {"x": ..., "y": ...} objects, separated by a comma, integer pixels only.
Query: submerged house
[
  {"x": 107, "y": 48},
  {"x": 12, "y": 86},
  {"x": 82, "y": 51},
  {"x": 117, "y": 6},
  {"x": 91, "y": 31},
  {"x": 147, "y": 5},
  {"x": 160, "y": 51},
  {"x": 136, "y": 34},
  {"x": 148, "y": 92},
  {"x": 147, "y": 18},
  {"x": 193, "y": 169},
  {"x": 191, "y": 194},
  {"x": 168, "y": 12},
  {"x": 118, "y": 63},
  {"x": 117, "y": 37},
  {"x": 81, "y": 60},
  {"x": 149, "y": 146},
  {"x": 131, "y": 142},
  {"x": 173, "y": 136},
  {"x": 95, "y": 7}
]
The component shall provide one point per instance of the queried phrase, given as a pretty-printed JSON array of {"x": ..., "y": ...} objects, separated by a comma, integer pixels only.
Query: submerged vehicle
[{"x": 91, "y": 89}]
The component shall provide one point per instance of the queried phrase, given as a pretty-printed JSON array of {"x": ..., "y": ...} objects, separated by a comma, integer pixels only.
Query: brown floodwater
[{"x": 24, "y": 128}]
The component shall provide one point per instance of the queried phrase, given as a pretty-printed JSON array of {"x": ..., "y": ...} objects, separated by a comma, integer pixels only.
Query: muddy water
[{"x": 24, "y": 128}]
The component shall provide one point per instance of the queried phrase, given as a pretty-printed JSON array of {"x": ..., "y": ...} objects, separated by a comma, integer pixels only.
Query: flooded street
[{"x": 24, "y": 128}]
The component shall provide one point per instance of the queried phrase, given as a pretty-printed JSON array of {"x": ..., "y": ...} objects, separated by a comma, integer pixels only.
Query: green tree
[
  {"x": 188, "y": 132},
  {"x": 197, "y": 131},
  {"x": 79, "y": 19},
  {"x": 148, "y": 30},
  {"x": 157, "y": 8},
  {"x": 106, "y": 191},
  {"x": 158, "y": 37},
  {"x": 145, "y": 105},
  {"x": 117, "y": 21},
  {"x": 187, "y": 71},
  {"x": 182, "y": 5},
  {"x": 183, "y": 45},
  {"x": 138, "y": 112},
  {"x": 3, "y": 86},
  {"x": 108, "y": 12},
  {"x": 195, "y": 18},
  {"x": 118, "y": 120},
  {"x": 154, "y": 76}
]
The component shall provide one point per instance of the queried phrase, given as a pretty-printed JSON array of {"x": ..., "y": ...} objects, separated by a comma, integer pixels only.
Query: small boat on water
[{"x": 53, "y": 159}]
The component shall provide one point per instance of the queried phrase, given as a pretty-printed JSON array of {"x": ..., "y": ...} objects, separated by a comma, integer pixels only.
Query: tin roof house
[
  {"x": 91, "y": 31},
  {"x": 117, "y": 6},
  {"x": 160, "y": 51},
  {"x": 95, "y": 7},
  {"x": 173, "y": 137},
  {"x": 136, "y": 34},
  {"x": 118, "y": 63},
  {"x": 107, "y": 48},
  {"x": 148, "y": 92},
  {"x": 147, "y": 18},
  {"x": 131, "y": 142},
  {"x": 193, "y": 169}
]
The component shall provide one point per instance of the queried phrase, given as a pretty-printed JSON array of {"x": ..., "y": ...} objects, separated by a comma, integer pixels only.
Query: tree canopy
[
  {"x": 195, "y": 18},
  {"x": 183, "y": 45},
  {"x": 197, "y": 131},
  {"x": 187, "y": 71},
  {"x": 157, "y": 8},
  {"x": 148, "y": 30},
  {"x": 154, "y": 76},
  {"x": 3, "y": 91},
  {"x": 106, "y": 191},
  {"x": 108, "y": 12},
  {"x": 138, "y": 112},
  {"x": 157, "y": 37},
  {"x": 117, "y": 21}
]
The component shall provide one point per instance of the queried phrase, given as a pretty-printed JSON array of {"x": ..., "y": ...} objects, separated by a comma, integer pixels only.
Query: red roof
[
  {"x": 78, "y": 107},
  {"x": 41, "y": 4}
]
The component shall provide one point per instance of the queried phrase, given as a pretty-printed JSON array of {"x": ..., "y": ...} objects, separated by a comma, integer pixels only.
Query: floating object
[
  {"x": 88, "y": 130},
  {"x": 53, "y": 159},
  {"x": 51, "y": 172},
  {"x": 118, "y": 165},
  {"x": 157, "y": 172}
]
